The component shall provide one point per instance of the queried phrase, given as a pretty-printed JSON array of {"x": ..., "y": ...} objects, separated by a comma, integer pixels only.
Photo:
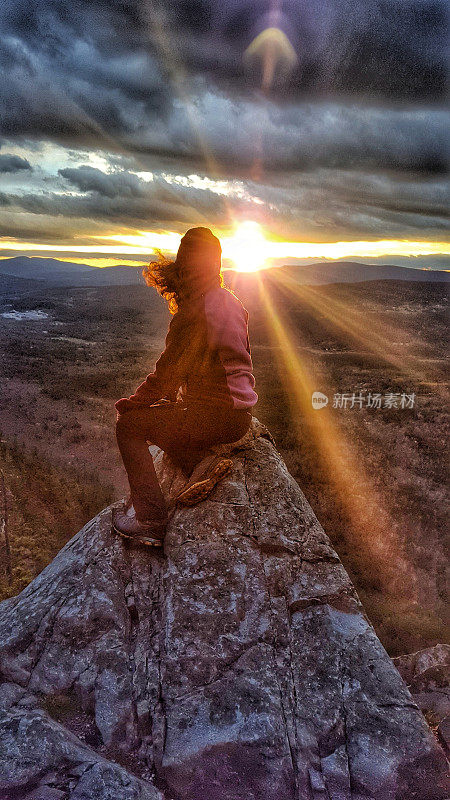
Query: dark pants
[{"x": 184, "y": 432}]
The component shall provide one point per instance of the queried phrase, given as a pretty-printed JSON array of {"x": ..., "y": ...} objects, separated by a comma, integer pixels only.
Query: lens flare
[
  {"x": 373, "y": 529},
  {"x": 247, "y": 249},
  {"x": 275, "y": 53},
  {"x": 363, "y": 330}
]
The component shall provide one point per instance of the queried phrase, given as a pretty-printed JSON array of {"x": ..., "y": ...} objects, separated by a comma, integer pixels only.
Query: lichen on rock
[{"x": 238, "y": 664}]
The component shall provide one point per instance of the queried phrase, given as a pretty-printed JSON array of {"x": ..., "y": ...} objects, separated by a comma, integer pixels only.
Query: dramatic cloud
[
  {"x": 89, "y": 179},
  {"x": 383, "y": 48},
  {"x": 302, "y": 135},
  {"x": 324, "y": 204},
  {"x": 82, "y": 71},
  {"x": 108, "y": 197},
  {"x": 9, "y": 163},
  {"x": 148, "y": 114}
]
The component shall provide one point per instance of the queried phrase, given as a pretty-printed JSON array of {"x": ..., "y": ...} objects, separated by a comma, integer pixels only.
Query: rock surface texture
[
  {"x": 239, "y": 665},
  {"x": 427, "y": 675}
]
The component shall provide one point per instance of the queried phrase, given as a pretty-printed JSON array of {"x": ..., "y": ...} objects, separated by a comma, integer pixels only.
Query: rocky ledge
[
  {"x": 427, "y": 675},
  {"x": 238, "y": 665}
]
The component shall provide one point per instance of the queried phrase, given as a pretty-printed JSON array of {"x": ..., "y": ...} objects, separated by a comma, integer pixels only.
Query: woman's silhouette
[{"x": 200, "y": 393}]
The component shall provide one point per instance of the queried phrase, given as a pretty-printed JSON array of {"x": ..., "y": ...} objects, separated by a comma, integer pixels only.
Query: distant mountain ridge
[
  {"x": 67, "y": 273},
  {"x": 355, "y": 272},
  {"x": 12, "y": 282},
  {"x": 54, "y": 272}
]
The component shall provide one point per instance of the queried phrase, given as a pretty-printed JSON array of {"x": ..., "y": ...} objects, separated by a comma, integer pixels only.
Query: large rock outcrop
[
  {"x": 239, "y": 665},
  {"x": 427, "y": 675}
]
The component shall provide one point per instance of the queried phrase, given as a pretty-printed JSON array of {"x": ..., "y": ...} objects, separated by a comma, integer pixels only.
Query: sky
[{"x": 318, "y": 124}]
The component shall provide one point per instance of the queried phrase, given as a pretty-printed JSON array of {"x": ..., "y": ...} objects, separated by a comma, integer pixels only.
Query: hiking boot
[
  {"x": 198, "y": 488},
  {"x": 148, "y": 533}
]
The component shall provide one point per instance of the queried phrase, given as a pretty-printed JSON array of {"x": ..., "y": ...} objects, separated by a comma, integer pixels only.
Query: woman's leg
[
  {"x": 160, "y": 425},
  {"x": 205, "y": 426},
  {"x": 185, "y": 434}
]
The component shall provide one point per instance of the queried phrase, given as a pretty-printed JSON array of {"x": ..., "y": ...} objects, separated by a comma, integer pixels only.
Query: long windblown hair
[{"x": 196, "y": 269}]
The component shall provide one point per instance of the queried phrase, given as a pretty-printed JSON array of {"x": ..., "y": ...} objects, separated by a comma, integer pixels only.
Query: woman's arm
[{"x": 164, "y": 381}]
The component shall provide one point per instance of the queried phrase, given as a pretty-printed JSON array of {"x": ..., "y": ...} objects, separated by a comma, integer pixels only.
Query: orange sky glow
[{"x": 247, "y": 249}]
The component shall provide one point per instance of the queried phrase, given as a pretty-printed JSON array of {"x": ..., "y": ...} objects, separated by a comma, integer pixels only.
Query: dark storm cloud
[
  {"x": 10, "y": 163},
  {"x": 321, "y": 204},
  {"x": 302, "y": 136},
  {"x": 384, "y": 48},
  {"x": 115, "y": 184},
  {"x": 162, "y": 86},
  {"x": 358, "y": 205},
  {"x": 108, "y": 197},
  {"x": 98, "y": 207},
  {"x": 80, "y": 71},
  {"x": 71, "y": 73}
]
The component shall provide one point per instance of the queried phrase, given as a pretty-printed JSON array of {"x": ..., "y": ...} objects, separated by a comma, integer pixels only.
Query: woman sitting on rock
[{"x": 200, "y": 393}]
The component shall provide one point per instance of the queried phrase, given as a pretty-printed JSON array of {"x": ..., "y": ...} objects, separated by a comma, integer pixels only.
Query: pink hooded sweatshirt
[{"x": 207, "y": 356}]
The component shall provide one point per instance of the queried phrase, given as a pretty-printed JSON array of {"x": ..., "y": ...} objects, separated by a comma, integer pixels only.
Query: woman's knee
[
  {"x": 137, "y": 424},
  {"x": 125, "y": 425}
]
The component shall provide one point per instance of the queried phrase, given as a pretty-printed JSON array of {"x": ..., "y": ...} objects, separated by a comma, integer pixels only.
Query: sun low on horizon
[
  {"x": 249, "y": 248},
  {"x": 246, "y": 248}
]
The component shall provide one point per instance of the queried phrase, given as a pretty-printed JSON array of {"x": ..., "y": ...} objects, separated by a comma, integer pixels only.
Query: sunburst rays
[
  {"x": 389, "y": 343},
  {"x": 372, "y": 528}
]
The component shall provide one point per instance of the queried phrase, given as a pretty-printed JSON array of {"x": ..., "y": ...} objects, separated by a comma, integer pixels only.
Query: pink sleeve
[{"x": 227, "y": 325}]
